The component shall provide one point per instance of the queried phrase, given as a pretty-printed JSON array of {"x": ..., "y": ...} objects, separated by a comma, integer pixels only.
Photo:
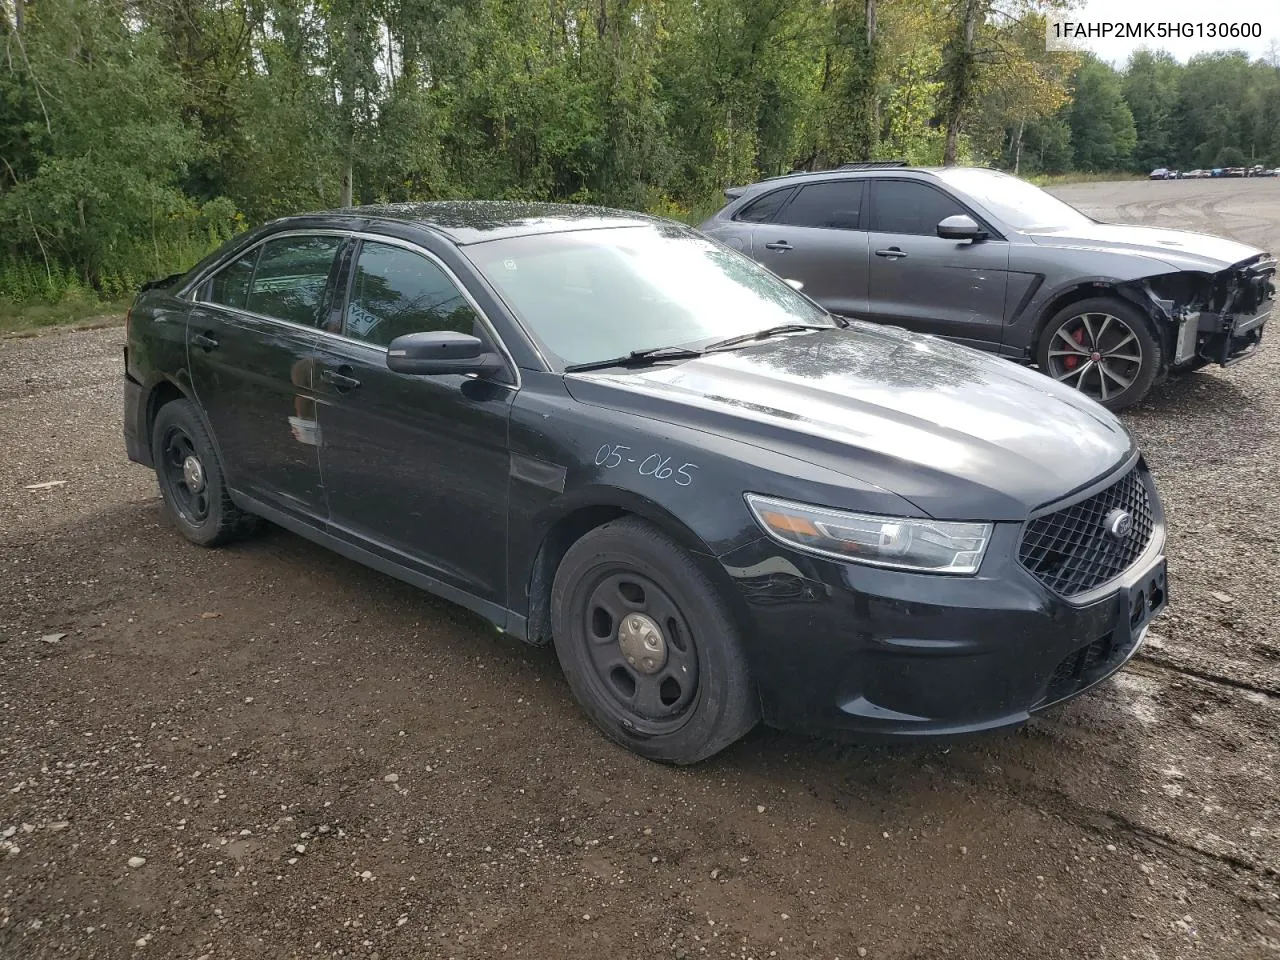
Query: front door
[
  {"x": 918, "y": 280},
  {"x": 251, "y": 342},
  {"x": 416, "y": 468},
  {"x": 818, "y": 239}
]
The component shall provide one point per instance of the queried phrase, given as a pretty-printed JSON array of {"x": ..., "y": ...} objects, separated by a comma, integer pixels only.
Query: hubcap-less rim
[
  {"x": 185, "y": 476},
  {"x": 641, "y": 652},
  {"x": 1097, "y": 353}
]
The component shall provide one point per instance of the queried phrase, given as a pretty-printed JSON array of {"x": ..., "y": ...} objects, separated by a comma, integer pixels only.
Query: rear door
[
  {"x": 918, "y": 280},
  {"x": 817, "y": 237},
  {"x": 251, "y": 348},
  {"x": 416, "y": 468}
]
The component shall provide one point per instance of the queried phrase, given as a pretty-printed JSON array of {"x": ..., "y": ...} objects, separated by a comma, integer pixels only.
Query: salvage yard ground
[{"x": 268, "y": 751}]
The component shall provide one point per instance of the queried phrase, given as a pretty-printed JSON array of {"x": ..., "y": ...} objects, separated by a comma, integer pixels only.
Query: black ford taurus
[{"x": 608, "y": 432}]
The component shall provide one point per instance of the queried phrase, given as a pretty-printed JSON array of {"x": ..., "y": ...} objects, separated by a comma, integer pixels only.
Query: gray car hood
[
  {"x": 959, "y": 433},
  {"x": 1175, "y": 248}
]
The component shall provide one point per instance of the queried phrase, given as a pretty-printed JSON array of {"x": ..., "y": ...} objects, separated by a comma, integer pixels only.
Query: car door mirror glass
[
  {"x": 960, "y": 226},
  {"x": 437, "y": 352}
]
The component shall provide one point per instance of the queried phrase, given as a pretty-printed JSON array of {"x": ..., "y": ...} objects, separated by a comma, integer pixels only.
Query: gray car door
[
  {"x": 818, "y": 238},
  {"x": 918, "y": 280}
]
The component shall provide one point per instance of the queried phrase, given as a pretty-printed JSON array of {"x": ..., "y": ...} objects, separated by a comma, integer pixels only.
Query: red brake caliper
[{"x": 1071, "y": 361}]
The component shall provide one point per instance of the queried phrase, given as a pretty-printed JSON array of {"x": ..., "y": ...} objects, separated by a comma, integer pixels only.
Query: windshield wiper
[
  {"x": 637, "y": 357},
  {"x": 764, "y": 335}
]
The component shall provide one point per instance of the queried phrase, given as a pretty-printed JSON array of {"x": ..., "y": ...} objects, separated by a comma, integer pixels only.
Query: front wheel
[
  {"x": 1104, "y": 348},
  {"x": 649, "y": 646}
]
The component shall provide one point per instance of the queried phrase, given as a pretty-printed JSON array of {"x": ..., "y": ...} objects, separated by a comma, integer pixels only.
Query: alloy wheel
[
  {"x": 1097, "y": 353},
  {"x": 641, "y": 651}
]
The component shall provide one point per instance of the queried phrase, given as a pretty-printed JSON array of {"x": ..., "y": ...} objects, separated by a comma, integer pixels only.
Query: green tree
[
  {"x": 1102, "y": 129},
  {"x": 1150, "y": 88}
]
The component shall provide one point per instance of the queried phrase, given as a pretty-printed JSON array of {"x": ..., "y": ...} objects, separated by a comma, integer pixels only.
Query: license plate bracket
[{"x": 1139, "y": 604}]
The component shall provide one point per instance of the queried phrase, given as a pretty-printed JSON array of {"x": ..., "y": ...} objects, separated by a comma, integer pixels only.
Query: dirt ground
[{"x": 268, "y": 751}]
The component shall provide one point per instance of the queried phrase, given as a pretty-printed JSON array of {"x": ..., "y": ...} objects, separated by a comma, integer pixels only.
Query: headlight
[{"x": 927, "y": 546}]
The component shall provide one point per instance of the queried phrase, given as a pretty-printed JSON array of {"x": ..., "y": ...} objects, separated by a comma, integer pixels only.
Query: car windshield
[
  {"x": 1021, "y": 205},
  {"x": 592, "y": 295}
]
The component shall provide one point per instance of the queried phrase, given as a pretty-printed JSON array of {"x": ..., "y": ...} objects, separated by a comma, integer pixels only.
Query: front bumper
[
  {"x": 1232, "y": 330},
  {"x": 875, "y": 654}
]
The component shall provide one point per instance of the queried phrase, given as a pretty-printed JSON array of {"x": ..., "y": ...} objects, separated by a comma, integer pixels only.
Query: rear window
[
  {"x": 766, "y": 208},
  {"x": 292, "y": 274},
  {"x": 832, "y": 205},
  {"x": 229, "y": 287}
]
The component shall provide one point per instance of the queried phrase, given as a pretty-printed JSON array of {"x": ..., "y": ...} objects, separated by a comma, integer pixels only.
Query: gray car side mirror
[{"x": 961, "y": 226}]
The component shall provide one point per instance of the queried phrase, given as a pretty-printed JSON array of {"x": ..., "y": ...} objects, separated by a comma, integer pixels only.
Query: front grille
[{"x": 1070, "y": 550}]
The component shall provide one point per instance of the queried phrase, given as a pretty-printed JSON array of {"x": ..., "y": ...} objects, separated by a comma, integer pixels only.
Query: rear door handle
[
  {"x": 340, "y": 379},
  {"x": 205, "y": 342},
  {"x": 893, "y": 253},
  {"x": 779, "y": 245}
]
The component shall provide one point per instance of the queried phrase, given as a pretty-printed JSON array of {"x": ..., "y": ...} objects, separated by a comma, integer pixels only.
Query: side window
[
  {"x": 291, "y": 278},
  {"x": 397, "y": 291},
  {"x": 766, "y": 208},
  {"x": 903, "y": 206},
  {"x": 833, "y": 204},
  {"x": 230, "y": 285}
]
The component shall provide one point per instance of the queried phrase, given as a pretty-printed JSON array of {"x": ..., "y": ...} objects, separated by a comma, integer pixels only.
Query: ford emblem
[{"x": 1119, "y": 523}]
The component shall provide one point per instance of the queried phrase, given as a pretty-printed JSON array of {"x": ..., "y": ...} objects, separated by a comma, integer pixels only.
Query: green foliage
[
  {"x": 1102, "y": 128},
  {"x": 136, "y": 135}
]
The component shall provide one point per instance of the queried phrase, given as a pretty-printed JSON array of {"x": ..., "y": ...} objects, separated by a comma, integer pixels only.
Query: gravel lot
[{"x": 267, "y": 751}]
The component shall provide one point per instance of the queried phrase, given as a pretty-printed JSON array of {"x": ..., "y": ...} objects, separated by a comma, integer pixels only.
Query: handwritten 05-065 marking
[{"x": 612, "y": 455}]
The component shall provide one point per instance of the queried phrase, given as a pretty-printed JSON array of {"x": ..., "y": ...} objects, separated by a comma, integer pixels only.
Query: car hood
[
  {"x": 959, "y": 433},
  {"x": 1176, "y": 248}
]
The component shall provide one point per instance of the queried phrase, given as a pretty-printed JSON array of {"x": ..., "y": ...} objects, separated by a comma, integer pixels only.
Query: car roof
[
  {"x": 475, "y": 221},
  {"x": 848, "y": 171}
]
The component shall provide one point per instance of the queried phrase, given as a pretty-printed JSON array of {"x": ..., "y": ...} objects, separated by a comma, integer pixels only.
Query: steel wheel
[
  {"x": 184, "y": 472},
  {"x": 641, "y": 651},
  {"x": 1097, "y": 353}
]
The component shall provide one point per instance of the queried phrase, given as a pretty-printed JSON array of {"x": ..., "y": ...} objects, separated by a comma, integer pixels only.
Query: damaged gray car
[{"x": 991, "y": 261}]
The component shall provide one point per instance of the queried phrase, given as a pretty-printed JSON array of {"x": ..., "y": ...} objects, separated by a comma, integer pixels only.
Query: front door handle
[
  {"x": 205, "y": 342},
  {"x": 893, "y": 253},
  {"x": 340, "y": 379},
  {"x": 779, "y": 245}
]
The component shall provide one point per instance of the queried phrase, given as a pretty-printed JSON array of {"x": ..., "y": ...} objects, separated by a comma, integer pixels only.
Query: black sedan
[{"x": 608, "y": 432}]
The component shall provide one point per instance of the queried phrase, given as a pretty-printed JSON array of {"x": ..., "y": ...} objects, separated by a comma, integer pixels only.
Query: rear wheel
[
  {"x": 191, "y": 481},
  {"x": 648, "y": 645},
  {"x": 1104, "y": 348}
]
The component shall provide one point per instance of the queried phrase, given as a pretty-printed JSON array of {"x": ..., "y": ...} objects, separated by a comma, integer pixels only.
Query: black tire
[
  {"x": 700, "y": 698},
  {"x": 1107, "y": 327},
  {"x": 196, "y": 498}
]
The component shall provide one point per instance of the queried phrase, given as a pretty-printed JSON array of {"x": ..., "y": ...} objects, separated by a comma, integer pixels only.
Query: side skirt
[{"x": 505, "y": 620}]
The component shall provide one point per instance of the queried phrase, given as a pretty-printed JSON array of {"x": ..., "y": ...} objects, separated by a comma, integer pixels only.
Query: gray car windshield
[
  {"x": 591, "y": 295},
  {"x": 1021, "y": 205}
]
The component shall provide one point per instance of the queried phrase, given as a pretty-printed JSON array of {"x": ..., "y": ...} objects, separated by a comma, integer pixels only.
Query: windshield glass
[
  {"x": 1021, "y": 205},
  {"x": 591, "y": 295}
]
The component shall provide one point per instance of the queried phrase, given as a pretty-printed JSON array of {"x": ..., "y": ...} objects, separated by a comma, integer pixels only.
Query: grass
[
  {"x": 1061, "y": 179},
  {"x": 75, "y": 312}
]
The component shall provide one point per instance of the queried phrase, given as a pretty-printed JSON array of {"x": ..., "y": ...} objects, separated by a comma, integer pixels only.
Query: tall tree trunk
[
  {"x": 17, "y": 15},
  {"x": 960, "y": 79},
  {"x": 1017, "y": 150},
  {"x": 348, "y": 172}
]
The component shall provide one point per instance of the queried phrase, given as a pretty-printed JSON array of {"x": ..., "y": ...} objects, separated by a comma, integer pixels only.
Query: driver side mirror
[
  {"x": 441, "y": 352},
  {"x": 961, "y": 226}
]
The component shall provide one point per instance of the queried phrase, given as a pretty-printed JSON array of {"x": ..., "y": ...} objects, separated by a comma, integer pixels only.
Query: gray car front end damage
[{"x": 1209, "y": 298}]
